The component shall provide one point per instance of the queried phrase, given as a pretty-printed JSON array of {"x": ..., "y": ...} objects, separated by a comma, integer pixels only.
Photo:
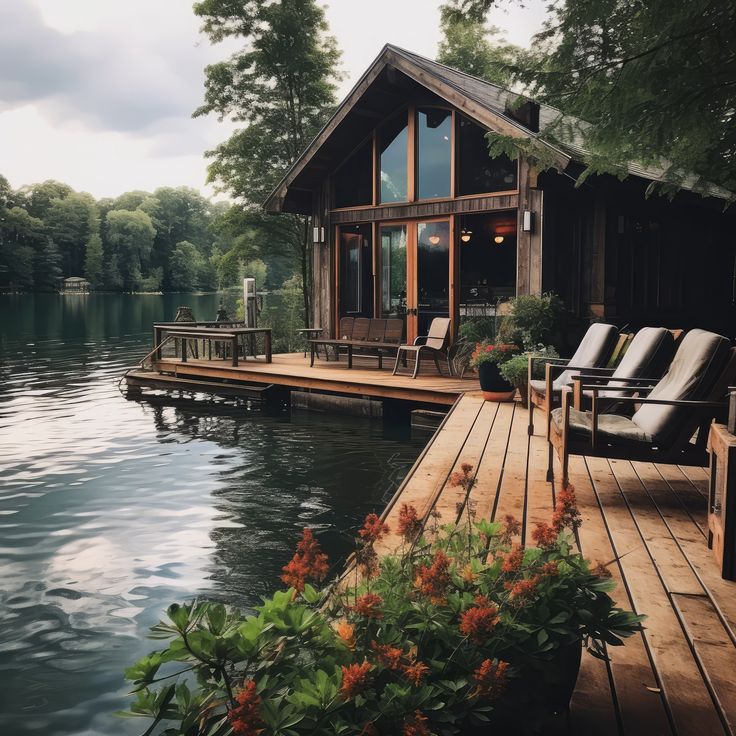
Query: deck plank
[
  {"x": 639, "y": 702},
  {"x": 685, "y": 691}
]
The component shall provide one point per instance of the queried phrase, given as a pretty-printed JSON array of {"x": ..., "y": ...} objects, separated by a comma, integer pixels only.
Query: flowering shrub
[
  {"x": 460, "y": 628},
  {"x": 486, "y": 352}
]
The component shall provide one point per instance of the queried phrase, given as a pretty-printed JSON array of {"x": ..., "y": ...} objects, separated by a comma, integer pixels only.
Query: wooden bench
[{"x": 371, "y": 337}]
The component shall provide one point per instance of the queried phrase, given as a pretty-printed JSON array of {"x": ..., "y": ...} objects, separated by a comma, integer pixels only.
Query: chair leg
[
  {"x": 436, "y": 363},
  {"x": 550, "y": 462},
  {"x": 396, "y": 362},
  {"x": 417, "y": 358},
  {"x": 530, "y": 429}
]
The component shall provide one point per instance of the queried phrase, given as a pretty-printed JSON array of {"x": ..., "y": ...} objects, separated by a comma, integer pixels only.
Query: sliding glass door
[
  {"x": 415, "y": 273},
  {"x": 355, "y": 269}
]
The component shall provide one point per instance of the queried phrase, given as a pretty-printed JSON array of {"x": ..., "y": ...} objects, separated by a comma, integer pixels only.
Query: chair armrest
[
  {"x": 554, "y": 361},
  {"x": 423, "y": 339},
  {"x": 670, "y": 402}
]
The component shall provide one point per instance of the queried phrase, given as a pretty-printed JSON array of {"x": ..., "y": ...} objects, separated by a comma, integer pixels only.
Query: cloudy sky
[{"x": 99, "y": 93}]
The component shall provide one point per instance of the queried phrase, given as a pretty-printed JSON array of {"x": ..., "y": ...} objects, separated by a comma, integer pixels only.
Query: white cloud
[{"x": 100, "y": 94}]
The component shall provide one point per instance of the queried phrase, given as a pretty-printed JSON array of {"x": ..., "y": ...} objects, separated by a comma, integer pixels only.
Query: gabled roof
[{"x": 483, "y": 102}]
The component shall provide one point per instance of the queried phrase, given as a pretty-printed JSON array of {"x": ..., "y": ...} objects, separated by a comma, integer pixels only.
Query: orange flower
[
  {"x": 432, "y": 580},
  {"x": 347, "y": 633},
  {"x": 544, "y": 535},
  {"x": 490, "y": 678},
  {"x": 513, "y": 560},
  {"x": 354, "y": 679},
  {"x": 466, "y": 468},
  {"x": 513, "y": 526},
  {"x": 245, "y": 717},
  {"x": 387, "y": 656},
  {"x": 416, "y": 673},
  {"x": 410, "y": 525},
  {"x": 601, "y": 570},
  {"x": 373, "y": 528},
  {"x": 479, "y": 620},
  {"x": 566, "y": 515},
  {"x": 416, "y": 725},
  {"x": 550, "y": 569},
  {"x": 366, "y": 605},
  {"x": 308, "y": 563},
  {"x": 468, "y": 574},
  {"x": 367, "y": 560},
  {"x": 523, "y": 588}
]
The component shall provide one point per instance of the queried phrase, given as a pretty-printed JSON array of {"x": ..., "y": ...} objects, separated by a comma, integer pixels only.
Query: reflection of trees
[{"x": 277, "y": 473}]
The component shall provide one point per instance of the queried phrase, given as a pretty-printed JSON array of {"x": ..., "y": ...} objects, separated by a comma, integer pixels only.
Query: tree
[
  {"x": 184, "y": 267},
  {"x": 93, "y": 260},
  {"x": 656, "y": 81},
  {"x": 281, "y": 86},
  {"x": 48, "y": 271},
  {"x": 70, "y": 221},
  {"x": 22, "y": 238},
  {"x": 475, "y": 48},
  {"x": 130, "y": 235},
  {"x": 36, "y": 199}
]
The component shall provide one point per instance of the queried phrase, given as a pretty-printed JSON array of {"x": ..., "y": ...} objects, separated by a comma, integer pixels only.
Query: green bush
[
  {"x": 462, "y": 628},
  {"x": 535, "y": 320}
]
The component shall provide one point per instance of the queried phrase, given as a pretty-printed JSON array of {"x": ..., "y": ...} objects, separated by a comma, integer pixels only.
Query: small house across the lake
[{"x": 413, "y": 219}]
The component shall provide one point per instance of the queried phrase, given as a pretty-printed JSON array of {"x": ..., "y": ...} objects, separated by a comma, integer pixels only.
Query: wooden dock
[
  {"x": 679, "y": 676},
  {"x": 292, "y": 370}
]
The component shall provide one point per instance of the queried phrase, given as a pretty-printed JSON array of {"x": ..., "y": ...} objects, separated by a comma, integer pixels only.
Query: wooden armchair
[
  {"x": 671, "y": 418},
  {"x": 594, "y": 351}
]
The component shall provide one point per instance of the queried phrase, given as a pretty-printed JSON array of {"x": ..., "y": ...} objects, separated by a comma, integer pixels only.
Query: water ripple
[{"x": 110, "y": 509}]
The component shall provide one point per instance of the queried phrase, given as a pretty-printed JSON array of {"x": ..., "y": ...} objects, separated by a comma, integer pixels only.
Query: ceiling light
[
  {"x": 465, "y": 235},
  {"x": 434, "y": 239},
  {"x": 498, "y": 239}
]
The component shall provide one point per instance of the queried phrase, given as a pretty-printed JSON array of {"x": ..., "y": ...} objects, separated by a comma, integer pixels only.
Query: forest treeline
[{"x": 171, "y": 239}]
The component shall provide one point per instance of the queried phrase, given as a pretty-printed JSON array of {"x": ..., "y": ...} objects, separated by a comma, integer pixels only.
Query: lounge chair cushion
[
  {"x": 698, "y": 361},
  {"x": 645, "y": 358},
  {"x": 593, "y": 352},
  {"x": 612, "y": 428}
]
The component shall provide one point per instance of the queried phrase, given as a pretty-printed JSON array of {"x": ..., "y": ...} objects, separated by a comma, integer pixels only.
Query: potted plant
[
  {"x": 516, "y": 369},
  {"x": 487, "y": 358},
  {"x": 461, "y": 630}
]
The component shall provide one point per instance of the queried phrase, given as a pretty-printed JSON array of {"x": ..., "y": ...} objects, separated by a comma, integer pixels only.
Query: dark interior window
[
  {"x": 356, "y": 271},
  {"x": 478, "y": 172},
  {"x": 434, "y": 153},
  {"x": 354, "y": 179},
  {"x": 393, "y": 152},
  {"x": 487, "y": 246}
]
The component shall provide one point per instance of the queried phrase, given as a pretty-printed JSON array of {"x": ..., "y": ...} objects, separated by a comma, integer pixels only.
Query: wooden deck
[
  {"x": 679, "y": 676},
  {"x": 293, "y": 370}
]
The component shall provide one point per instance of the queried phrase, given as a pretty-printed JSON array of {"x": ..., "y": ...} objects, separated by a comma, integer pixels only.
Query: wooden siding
[
  {"x": 427, "y": 209},
  {"x": 674, "y": 679}
]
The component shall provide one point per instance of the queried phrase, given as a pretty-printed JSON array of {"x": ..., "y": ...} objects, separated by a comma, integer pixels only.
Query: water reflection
[{"x": 111, "y": 509}]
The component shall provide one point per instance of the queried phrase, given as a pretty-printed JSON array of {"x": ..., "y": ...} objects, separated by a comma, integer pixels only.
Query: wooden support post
[{"x": 722, "y": 499}]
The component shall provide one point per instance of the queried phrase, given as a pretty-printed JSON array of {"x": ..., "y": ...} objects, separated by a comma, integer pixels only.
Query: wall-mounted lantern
[
  {"x": 318, "y": 235},
  {"x": 527, "y": 221}
]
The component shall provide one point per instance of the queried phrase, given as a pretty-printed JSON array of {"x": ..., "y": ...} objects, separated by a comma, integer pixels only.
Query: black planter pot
[
  {"x": 494, "y": 386},
  {"x": 537, "y": 702}
]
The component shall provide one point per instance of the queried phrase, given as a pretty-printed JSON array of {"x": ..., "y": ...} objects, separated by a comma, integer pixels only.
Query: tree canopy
[
  {"x": 280, "y": 86},
  {"x": 656, "y": 81}
]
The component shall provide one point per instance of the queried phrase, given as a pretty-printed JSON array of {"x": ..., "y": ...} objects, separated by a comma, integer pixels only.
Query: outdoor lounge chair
[
  {"x": 645, "y": 360},
  {"x": 670, "y": 424},
  {"x": 593, "y": 352},
  {"x": 435, "y": 343}
]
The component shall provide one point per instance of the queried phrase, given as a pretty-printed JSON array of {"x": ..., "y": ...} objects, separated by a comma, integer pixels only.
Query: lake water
[{"x": 112, "y": 509}]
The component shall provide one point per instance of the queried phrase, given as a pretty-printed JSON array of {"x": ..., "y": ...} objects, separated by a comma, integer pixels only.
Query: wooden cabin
[{"x": 412, "y": 218}]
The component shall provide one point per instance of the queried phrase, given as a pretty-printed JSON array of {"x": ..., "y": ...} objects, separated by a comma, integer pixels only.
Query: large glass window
[
  {"x": 393, "y": 154},
  {"x": 354, "y": 179},
  {"x": 356, "y": 271},
  {"x": 434, "y": 153},
  {"x": 478, "y": 173},
  {"x": 393, "y": 271}
]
